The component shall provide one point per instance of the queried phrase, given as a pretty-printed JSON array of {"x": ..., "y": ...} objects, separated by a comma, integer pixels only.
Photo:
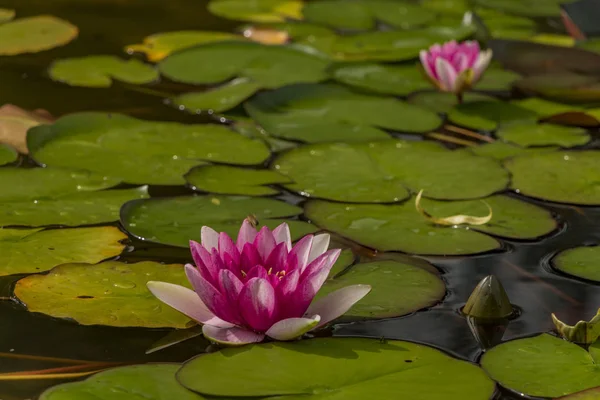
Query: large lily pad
[
  {"x": 443, "y": 102},
  {"x": 532, "y": 134},
  {"x": 20, "y": 184},
  {"x": 562, "y": 86},
  {"x": 582, "y": 262},
  {"x": 257, "y": 10},
  {"x": 99, "y": 71},
  {"x": 87, "y": 208},
  {"x": 398, "y": 80},
  {"x": 336, "y": 368},
  {"x": 564, "y": 176},
  {"x": 231, "y": 180},
  {"x": 134, "y": 382},
  {"x": 269, "y": 66},
  {"x": 25, "y": 251},
  {"x": 501, "y": 151},
  {"x": 488, "y": 115},
  {"x": 318, "y": 113},
  {"x": 14, "y": 123},
  {"x": 110, "y": 293},
  {"x": 365, "y": 14},
  {"x": 497, "y": 79},
  {"x": 401, "y": 228},
  {"x": 34, "y": 34},
  {"x": 220, "y": 98},
  {"x": 397, "y": 288},
  {"x": 528, "y": 8},
  {"x": 136, "y": 151},
  {"x": 177, "y": 220},
  {"x": 380, "y": 172},
  {"x": 542, "y": 366}
]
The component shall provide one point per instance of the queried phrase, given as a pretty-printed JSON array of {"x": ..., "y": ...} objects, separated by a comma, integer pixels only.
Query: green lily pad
[
  {"x": 488, "y": 115},
  {"x": 566, "y": 86},
  {"x": 380, "y": 172},
  {"x": 137, "y": 151},
  {"x": 26, "y": 184},
  {"x": 343, "y": 368},
  {"x": 397, "y": 289},
  {"x": 268, "y": 66},
  {"x": 27, "y": 251},
  {"x": 73, "y": 209},
  {"x": 177, "y": 220},
  {"x": 501, "y": 151},
  {"x": 582, "y": 262},
  {"x": 400, "y": 227},
  {"x": 34, "y": 34},
  {"x": 99, "y": 71},
  {"x": 541, "y": 366},
  {"x": 364, "y": 14},
  {"x": 533, "y": 134},
  {"x": 110, "y": 293},
  {"x": 257, "y": 10},
  {"x": 248, "y": 128},
  {"x": 160, "y": 45},
  {"x": 322, "y": 113},
  {"x": 442, "y": 102},
  {"x": 451, "y": 7},
  {"x": 497, "y": 79},
  {"x": 398, "y": 80},
  {"x": 564, "y": 176},
  {"x": 592, "y": 44},
  {"x": 506, "y": 26},
  {"x": 7, "y": 154},
  {"x": 219, "y": 99},
  {"x": 133, "y": 382},
  {"x": 545, "y": 108},
  {"x": 346, "y": 259},
  {"x": 224, "y": 179},
  {"x": 527, "y": 8},
  {"x": 588, "y": 394}
]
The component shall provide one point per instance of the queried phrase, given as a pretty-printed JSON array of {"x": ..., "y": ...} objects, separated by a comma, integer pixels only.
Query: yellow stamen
[
  {"x": 244, "y": 274},
  {"x": 269, "y": 271}
]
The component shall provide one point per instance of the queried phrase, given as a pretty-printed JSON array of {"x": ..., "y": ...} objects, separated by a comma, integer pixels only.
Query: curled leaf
[
  {"x": 453, "y": 219},
  {"x": 584, "y": 332}
]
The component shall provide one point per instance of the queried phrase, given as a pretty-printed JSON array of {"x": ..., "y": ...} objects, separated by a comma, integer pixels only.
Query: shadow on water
[{"x": 523, "y": 267}]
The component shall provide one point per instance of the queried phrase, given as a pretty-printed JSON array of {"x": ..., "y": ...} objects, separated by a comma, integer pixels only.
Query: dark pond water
[{"x": 109, "y": 25}]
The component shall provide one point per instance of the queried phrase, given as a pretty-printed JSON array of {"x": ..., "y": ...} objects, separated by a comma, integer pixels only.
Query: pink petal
[
  {"x": 185, "y": 301},
  {"x": 337, "y": 303},
  {"x": 264, "y": 242},
  {"x": 257, "y": 304},
  {"x": 282, "y": 235},
  {"x": 249, "y": 258},
  {"x": 325, "y": 260},
  {"x": 247, "y": 234},
  {"x": 209, "y": 238},
  {"x": 319, "y": 246},
  {"x": 258, "y": 271},
  {"x": 481, "y": 64},
  {"x": 214, "y": 300},
  {"x": 460, "y": 62},
  {"x": 227, "y": 247},
  {"x": 446, "y": 73},
  {"x": 277, "y": 259},
  {"x": 230, "y": 286},
  {"x": 427, "y": 66},
  {"x": 235, "y": 336},
  {"x": 292, "y": 328},
  {"x": 298, "y": 257},
  {"x": 289, "y": 283},
  {"x": 203, "y": 261},
  {"x": 298, "y": 301}
]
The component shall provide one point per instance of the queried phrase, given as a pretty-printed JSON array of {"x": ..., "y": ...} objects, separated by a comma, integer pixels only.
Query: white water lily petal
[
  {"x": 319, "y": 246},
  {"x": 446, "y": 74},
  {"x": 292, "y": 328},
  {"x": 234, "y": 336},
  {"x": 484, "y": 59},
  {"x": 337, "y": 303},
  {"x": 185, "y": 301},
  {"x": 209, "y": 238},
  {"x": 282, "y": 235}
]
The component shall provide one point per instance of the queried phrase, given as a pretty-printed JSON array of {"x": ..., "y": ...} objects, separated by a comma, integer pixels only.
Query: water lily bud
[{"x": 489, "y": 300}]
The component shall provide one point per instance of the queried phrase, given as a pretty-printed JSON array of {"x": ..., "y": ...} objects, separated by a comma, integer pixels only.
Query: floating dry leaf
[
  {"x": 584, "y": 332},
  {"x": 454, "y": 219},
  {"x": 14, "y": 123},
  {"x": 266, "y": 35}
]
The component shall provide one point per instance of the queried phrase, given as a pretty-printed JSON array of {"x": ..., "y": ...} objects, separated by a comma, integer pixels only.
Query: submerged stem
[{"x": 466, "y": 132}]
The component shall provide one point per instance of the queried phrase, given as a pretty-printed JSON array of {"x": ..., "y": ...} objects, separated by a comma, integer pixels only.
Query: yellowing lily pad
[
  {"x": 400, "y": 227},
  {"x": 73, "y": 209},
  {"x": 110, "y": 293},
  {"x": 350, "y": 369},
  {"x": 542, "y": 366},
  {"x": 224, "y": 179},
  {"x": 34, "y": 34},
  {"x": 381, "y": 172},
  {"x": 257, "y": 10},
  {"x": 26, "y": 251},
  {"x": 137, "y": 151},
  {"x": 160, "y": 45},
  {"x": 329, "y": 113},
  {"x": 532, "y": 134},
  {"x": 177, "y": 220},
  {"x": 99, "y": 71},
  {"x": 146, "y": 381},
  {"x": 582, "y": 262},
  {"x": 563, "y": 176},
  {"x": 14, "y": 123},
  {"x": 397, "y": 288},
  {"x": 220, "y": 98}
]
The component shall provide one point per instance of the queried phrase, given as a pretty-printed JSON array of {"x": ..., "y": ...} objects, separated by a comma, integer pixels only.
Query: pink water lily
[
  {"x": 455, "y": 67},
  {"x": 258, "y": 286}
]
